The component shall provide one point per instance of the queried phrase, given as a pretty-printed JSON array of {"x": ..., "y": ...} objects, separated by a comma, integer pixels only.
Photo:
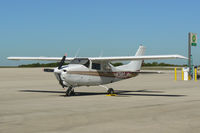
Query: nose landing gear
[{"x": 70, "y": 91}]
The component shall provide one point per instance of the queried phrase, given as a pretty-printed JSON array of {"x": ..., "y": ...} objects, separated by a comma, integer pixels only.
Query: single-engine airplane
[{"x": 96, "y": 71}]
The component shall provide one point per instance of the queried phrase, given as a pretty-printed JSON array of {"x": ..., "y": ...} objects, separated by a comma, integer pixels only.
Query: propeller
[
  {"x": 60, "y": 65},
  {"x": 61, "y": 81},
  {"x": 62, "y": 62},
  {"x": 48, "y": 70},
  {"x": 57, "y": 71}
]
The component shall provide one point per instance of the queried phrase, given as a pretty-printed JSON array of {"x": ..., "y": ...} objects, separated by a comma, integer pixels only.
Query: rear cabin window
[{"x": 96, "y": 66}]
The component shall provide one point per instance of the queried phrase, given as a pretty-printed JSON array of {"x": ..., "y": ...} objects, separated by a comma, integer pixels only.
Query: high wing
[
  {"x": 39, "y": 58},
  {"x": 108, "y": 59},
  {"x": 129, "y": 58}
]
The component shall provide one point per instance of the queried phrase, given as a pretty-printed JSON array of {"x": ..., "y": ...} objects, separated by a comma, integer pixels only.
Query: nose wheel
[{"x": 70, "y": 92}]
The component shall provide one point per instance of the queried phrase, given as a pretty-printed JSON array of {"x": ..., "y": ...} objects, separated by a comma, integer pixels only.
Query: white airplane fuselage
[{"x": 79, "y": 75}]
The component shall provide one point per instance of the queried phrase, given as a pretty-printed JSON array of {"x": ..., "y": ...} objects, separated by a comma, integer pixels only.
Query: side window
[
  {"x": 87, "y": 64},
  {"x": 96, "y": 66},
  {"x": 106, "y": 67}
]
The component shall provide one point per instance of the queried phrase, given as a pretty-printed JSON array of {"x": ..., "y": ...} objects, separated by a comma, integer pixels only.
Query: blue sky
[{"x": 116, "y": 27}]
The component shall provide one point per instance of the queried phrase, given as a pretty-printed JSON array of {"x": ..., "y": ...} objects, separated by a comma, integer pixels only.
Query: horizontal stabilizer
[{"x": 150, "y": 72}]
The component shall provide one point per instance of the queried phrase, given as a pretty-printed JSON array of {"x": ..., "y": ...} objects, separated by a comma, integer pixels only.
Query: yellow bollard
[
  {"x": 195, "y": 74},
  {"x": 175, "y": 74},
  {"x": 182, "y": 74}
]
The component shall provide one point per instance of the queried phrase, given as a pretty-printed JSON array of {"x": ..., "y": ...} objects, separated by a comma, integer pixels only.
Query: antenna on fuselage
[
  {"x": 77, "y": 53},
  {"x": 101, "y": 53}
]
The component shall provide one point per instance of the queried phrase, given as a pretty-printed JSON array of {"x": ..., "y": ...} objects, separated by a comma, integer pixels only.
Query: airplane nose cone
[
  {"x": 58, "y": 71},
  {"x": 61, "y": 76}
]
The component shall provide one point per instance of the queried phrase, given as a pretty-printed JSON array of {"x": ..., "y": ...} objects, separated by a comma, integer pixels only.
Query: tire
[
  {"x": 111, "y": 91},
  {"x": 70, "y": 92}
]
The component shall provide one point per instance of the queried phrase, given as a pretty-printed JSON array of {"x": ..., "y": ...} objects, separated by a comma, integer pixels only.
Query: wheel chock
[{"x": 111, "y": 95}]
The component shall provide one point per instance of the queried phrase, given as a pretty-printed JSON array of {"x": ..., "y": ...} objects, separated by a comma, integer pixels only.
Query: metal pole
[
  {"x": 182, "y": 74},
  {"x": 175, "y": 74},
  {"x": 189, "y": 54},
  {"x": 195, "y": 77}
]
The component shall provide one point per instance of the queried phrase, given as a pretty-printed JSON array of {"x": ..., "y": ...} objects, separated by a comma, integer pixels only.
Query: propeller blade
[
  {"x": 48, "y": 70},
  {"x": 62, "y": 62},
  {"x": 61, "y": 81}
]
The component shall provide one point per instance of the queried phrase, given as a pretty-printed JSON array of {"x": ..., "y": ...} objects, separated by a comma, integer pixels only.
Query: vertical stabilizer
[{"x": 134, "y": 65}]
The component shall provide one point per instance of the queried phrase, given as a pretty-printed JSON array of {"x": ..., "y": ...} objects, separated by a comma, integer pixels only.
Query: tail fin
[{"x": 134, "y": 65}]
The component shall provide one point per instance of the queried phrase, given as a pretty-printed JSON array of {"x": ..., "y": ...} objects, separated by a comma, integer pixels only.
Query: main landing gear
[
  {"x": 70, "y": 91},
  {"x": 110, "y": 91}
]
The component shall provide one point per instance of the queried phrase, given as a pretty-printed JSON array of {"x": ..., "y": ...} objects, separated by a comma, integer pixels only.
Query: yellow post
[
  {"x": 175, "y": 74},
  {"x": 195, "y": 74},
  {"x": 182, "y": 74}
]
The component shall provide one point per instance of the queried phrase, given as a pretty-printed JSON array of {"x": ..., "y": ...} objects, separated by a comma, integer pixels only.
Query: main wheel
[{"x": 111, "y": 91}]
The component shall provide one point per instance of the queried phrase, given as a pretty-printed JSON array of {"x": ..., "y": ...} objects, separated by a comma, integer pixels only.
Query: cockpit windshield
[{"x": 82, "y": 61}]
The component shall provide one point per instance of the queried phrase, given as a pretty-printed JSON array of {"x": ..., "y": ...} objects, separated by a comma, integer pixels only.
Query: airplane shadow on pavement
[{"x": 120, "y": 93}]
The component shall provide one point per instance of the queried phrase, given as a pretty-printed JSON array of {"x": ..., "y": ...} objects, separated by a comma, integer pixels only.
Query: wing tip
[
  {"x": 181, "y": 57},
  {"x": 11, "y": 58}
]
